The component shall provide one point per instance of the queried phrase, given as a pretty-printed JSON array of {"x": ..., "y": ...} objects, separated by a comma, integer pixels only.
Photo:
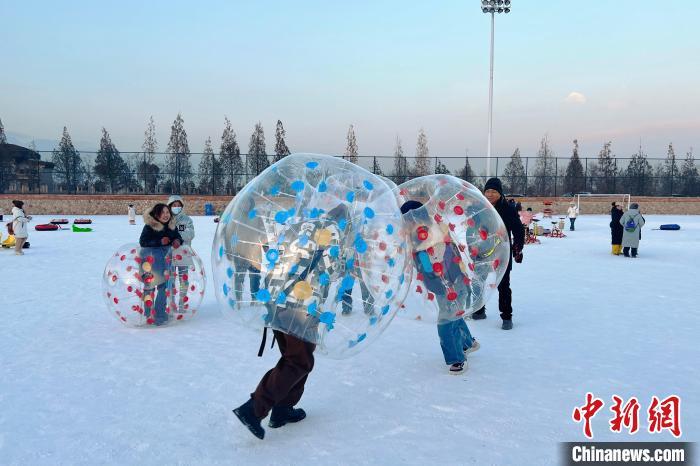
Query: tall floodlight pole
[{"x": 492, "y": 7}]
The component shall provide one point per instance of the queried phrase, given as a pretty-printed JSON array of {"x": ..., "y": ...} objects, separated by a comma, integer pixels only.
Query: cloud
[{"x": 575, "y": 98}]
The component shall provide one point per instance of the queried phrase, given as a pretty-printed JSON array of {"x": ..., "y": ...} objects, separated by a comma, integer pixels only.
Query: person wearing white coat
[
  {"x": 185, "y": 226},
  {"x": 632, "y": 222},
  {"x": 19, "y": 225},
  {"x": 572, "y": 213}
]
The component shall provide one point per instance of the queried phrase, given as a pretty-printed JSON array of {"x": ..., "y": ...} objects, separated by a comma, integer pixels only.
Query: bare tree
[
  {"x": 422, "y": 164},
  {"x": 351, "y": 147}
]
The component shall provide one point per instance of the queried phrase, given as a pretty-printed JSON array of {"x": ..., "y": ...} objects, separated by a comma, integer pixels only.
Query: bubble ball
[
  {"x": 313, "y": 247},
  {"x": 153, "y": 286},
  {"x": 459, "y": 245}
]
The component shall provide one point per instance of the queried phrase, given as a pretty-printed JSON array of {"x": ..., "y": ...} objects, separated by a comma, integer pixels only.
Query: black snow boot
[
  {"x": 282, "y": 415},
  {"x": 507, "y": 324},
  {"x": 480, "y": 314},
  {"x": 246, "y": 414}
]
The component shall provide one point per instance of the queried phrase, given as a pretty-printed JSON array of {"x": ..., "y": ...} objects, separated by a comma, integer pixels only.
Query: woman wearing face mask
[{"x": 184, "y": 226}]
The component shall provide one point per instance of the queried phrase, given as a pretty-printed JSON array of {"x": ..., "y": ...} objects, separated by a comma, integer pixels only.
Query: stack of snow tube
[
  {"x": 46, "y": 227},
  {"x": 82, "y": 221},
  {"x": 58, "y": 221}
]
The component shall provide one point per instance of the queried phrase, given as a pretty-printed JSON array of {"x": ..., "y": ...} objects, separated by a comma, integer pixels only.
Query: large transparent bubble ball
[
  {"x": 153, "y": 286},
  {"x": 313, "y": 247},
  {"x": 460, "y": 247}
]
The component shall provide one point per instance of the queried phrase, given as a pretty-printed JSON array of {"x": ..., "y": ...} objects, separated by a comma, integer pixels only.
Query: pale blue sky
[{"x": 389, "y": 67}]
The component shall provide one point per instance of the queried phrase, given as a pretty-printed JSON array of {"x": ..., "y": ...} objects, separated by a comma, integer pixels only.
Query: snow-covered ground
[{"x": 76, "y": 387}]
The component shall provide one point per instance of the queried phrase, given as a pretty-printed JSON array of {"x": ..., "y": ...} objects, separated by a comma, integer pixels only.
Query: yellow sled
[{"x": 9, "y": 242}]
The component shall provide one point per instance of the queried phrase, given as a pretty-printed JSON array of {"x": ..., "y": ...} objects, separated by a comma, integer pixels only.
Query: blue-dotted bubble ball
[
  {"x": 459, "y": 246},
  {"x": 313, "y": 247},
  {"x": 152, "y": 287}
]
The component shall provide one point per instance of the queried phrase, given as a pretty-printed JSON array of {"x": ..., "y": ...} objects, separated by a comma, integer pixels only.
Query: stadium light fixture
[{"x": 492, "y": 7}]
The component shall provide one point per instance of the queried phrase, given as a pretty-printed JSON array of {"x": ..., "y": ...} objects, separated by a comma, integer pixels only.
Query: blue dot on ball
[
  {"x": 312, "y": 309},
  {"x": 369, "y": 213},
  {"x": 281, "y": 216},
  {"x": 360, "y": 245},
  {"x": 262, "y": 295},
  {"x": 350, "y": 196},
  {"x": 298, "y": 186},
  {"x": 322, "y": 187},
  {"x": 368, "y": 185},
  {"x": 311, "y": 165},
  {"x": 390, "y": 228}
]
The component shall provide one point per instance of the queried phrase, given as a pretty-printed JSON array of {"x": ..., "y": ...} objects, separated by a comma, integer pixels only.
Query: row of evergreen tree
[
  {"x": 226, "y": 171},
  {"x": 218, "y": 173},
  {"x": 604, "y": 175}
]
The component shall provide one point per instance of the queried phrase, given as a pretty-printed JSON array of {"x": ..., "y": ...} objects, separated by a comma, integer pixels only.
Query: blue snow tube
[{"x": 670, "y": 226}]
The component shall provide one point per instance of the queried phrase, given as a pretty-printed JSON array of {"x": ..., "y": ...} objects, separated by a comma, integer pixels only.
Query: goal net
[{"x": 626, "y": 199}]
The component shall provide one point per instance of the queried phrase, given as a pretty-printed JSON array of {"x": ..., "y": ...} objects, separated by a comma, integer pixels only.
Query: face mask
[{"x": 176, "y": 210}]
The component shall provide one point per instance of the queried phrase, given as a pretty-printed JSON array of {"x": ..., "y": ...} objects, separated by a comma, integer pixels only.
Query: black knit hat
[
  {"x": 410, "y": 205},
  {"x": 494, "y": 183}
]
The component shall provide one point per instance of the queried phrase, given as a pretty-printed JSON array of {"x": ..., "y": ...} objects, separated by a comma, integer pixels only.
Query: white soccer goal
[{"x": 626, "y": 198}]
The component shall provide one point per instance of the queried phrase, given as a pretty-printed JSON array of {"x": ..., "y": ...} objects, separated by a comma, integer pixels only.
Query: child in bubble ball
[
  {"x": 159, "y": 234},
  {"x": 443, "y": 274}
]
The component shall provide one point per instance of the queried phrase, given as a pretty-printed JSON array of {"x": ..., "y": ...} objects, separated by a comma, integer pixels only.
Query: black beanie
[
  {"x": 494, "y": 183},
  {"x": 409, "y": 206}
]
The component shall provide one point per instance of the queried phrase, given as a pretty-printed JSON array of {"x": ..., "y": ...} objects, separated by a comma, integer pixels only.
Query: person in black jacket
[
  {"x": 493, "y": 190},
  {"x": 159, "y": 234},
  {"x": 616, "y": 229}
]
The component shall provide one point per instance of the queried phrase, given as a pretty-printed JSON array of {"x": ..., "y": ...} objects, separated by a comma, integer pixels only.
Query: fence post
[{"x": 527, "y": 174}]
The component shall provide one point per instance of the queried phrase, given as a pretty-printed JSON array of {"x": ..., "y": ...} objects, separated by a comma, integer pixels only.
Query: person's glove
[
  {"x": 518, "y": 254},
  {"x": 165, "y": 241},
  {"x": 176, "y": 243}
]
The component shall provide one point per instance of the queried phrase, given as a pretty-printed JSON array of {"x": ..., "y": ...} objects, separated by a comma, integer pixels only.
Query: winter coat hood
[
  {"x": 175, "y": 198},
  {"x": 155, "y": 224}
]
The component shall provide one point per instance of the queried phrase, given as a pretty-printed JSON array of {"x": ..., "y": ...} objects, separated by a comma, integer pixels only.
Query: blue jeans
[
  {"x": 572, "y": 221},
  {"x": 455, "y": 337},
  {"x": 156, "y": 283},
  {"x": 244, "y": 267}
]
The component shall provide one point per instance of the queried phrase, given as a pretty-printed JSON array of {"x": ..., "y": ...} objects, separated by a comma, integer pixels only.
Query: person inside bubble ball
[
  {"x": 447, "y": 278},
  {"x": 182, "y": 262},
  {"x": 493, "y": 190},
  {"x": 300, "y": 280},
  {"x": 355, "y": 273},
  {"x": 159, "y": 234},
  {"x": 248, "y": 257}
]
